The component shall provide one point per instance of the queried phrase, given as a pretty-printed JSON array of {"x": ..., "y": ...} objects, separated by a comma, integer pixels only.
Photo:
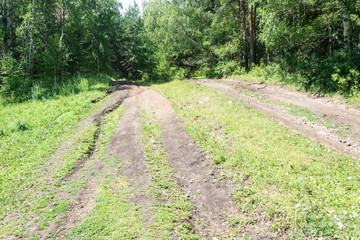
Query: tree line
[
  {"x": 315, "y": 42},
  {"x": 44, "y": 42}
]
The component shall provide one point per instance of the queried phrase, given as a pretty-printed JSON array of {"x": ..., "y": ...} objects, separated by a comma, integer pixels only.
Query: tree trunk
[
  {"x": 46, "y": 26},
  {"x": 55, "y": 76},
  {"x": 98, "y": 64},
  {"x": 244, "y": 33},
  {"x": 9, "y": 17},
  {"x": 62, "y": 20},
  {"x": 31, "y": 39},
  {"x": 240, "y": 32},
  {"x": 252, "y": 34},
  {"x": 267, "y": 57},
  {"x": 330, "y": 42},
  {"x": 3, "y": 47},
  {"x": 346, "y": 24}
]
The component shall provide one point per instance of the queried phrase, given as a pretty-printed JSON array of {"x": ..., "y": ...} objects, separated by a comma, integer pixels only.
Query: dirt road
[
  {"x": 330, "y": 122},
  {"x": 327, "y": 120},
  {"x": 197, "y": 177}
]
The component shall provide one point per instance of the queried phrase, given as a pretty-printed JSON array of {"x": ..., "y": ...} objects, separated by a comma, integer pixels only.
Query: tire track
[
  {"x": 210, "y": 194},
  {"x": 300, "y": 124}
]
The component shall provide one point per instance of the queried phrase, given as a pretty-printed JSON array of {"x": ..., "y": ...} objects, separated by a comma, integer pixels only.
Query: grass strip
[
  {"x": 306, "y": 189},
  {"x": 172, "y": 207},
  {"x": 114, "y": 216}
]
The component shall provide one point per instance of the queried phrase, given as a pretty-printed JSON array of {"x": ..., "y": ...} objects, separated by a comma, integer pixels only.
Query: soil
[{"x": 344, "y": 134}]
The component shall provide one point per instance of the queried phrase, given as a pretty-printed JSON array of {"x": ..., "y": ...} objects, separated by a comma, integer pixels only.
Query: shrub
[
  {"x": 338, "y": 73},
  {"x": 15, "y": 83},
  {"x": 227, "y": 68}
]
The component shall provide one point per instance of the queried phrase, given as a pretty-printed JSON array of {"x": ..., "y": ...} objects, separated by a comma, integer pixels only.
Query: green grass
[
  {"x": 306, "y": 189},
  {"x": 172, "y": 207},
  {"x": 116, "y": 217},
  {"x": 50, "y": 214},
  {"x": 30, "y": 133}
]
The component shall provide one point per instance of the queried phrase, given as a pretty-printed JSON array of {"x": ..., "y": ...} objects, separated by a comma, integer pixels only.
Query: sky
[{"x": 126, "y": 3}]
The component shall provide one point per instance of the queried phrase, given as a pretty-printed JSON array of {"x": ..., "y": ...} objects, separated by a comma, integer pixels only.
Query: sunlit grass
[
  {"x": 306, "y": 189},
  {"x": 171, "y": 206},
  {"x": 30, "y": 133}
]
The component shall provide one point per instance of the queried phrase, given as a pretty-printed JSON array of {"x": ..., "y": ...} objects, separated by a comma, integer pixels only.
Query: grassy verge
[
  {"x": 30, "y": 133},
  {"x": 307, "y": 190}
]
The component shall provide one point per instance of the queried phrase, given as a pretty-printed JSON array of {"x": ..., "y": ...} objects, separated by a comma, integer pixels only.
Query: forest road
[{"x": 327, "y": 120}]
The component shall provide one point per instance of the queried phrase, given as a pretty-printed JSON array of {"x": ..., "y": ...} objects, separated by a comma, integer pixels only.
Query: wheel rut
[
  {"x": 321, "y": 133},
  {"x": 126, "y": 144},
  {"x": 209, "y": 193},
  {"x": 89, "y": 167}
]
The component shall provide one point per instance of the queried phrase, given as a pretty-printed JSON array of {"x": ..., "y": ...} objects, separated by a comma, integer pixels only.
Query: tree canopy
[{"x": 46, "y": 41}]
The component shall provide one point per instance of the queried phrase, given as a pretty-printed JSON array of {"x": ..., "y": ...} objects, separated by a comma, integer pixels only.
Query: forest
[{"x": 314, "y": 44}]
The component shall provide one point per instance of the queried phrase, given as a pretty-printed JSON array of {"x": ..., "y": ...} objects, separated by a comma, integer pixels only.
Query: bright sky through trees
[{"x": 127, "y": 3}]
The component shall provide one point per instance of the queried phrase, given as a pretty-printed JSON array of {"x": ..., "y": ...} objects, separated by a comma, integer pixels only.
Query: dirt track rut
[
  {"x": 339, "y": 114},
  {"x": 208, "y": 191}
]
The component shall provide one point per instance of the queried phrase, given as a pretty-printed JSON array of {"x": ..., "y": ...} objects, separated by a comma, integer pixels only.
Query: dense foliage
[
  {"x": 42, "y": 42},
  {"x": 317, "y": 42}
]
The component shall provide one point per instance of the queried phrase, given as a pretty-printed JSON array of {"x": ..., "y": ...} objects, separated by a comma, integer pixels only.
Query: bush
[
  {"x": 338, "y": 73},
  {"x": 15, "y": 83},
  {"x": 227, "y": 68}
]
